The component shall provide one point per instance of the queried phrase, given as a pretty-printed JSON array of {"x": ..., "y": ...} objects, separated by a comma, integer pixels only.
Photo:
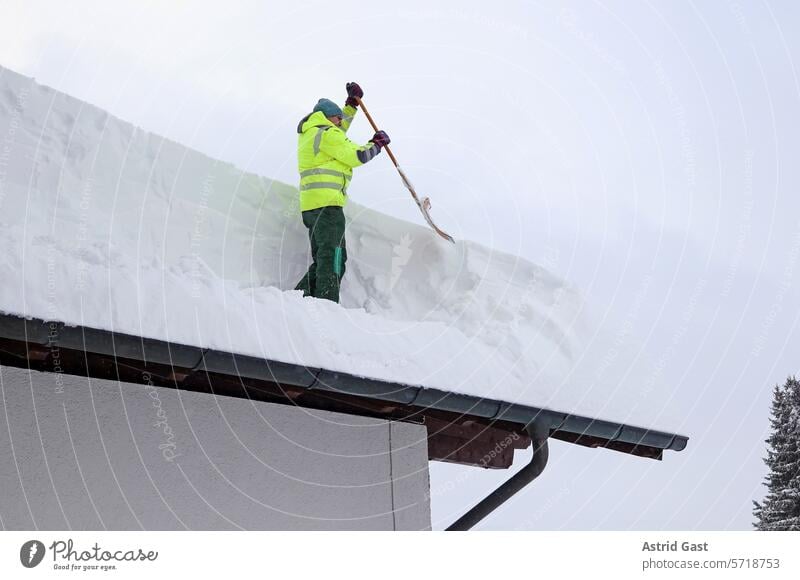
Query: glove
[
  {"x": 381, "y": 139},
  {"x": 353, "y": 91}
]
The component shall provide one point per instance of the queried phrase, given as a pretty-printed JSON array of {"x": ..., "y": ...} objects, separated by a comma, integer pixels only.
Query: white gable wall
[{"x": 95, "y": 454}]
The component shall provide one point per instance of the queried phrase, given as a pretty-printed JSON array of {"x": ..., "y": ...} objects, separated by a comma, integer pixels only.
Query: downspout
[{"x": 539, "y": 434}]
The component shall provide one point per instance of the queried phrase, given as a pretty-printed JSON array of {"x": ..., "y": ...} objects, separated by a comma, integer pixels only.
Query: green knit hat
[{"x": 328, "y": 108}]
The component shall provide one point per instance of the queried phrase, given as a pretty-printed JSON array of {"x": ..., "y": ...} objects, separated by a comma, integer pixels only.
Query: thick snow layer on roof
[{"x": 108, "y": 226}]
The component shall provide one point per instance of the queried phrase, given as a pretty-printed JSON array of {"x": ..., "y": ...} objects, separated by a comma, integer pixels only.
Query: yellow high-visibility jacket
[{"x": 326, "y": 158}]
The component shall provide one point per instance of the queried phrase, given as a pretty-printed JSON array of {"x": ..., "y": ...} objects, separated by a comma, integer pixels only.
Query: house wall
[{"x": 95, "y": 454}]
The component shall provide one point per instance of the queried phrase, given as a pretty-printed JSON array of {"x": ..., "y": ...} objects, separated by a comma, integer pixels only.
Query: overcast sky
[{"x": 645, "y": 151}]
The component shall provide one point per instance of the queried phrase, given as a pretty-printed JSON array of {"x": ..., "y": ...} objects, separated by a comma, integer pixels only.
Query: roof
[
  {"x": 462, "y": 428},
  {"x": 190, "y": 250}
]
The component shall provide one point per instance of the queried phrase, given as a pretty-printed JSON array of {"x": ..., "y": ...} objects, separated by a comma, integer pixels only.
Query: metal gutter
[
  {"x": 539, "y": 434},
  {"x": 560, "y": 425}
]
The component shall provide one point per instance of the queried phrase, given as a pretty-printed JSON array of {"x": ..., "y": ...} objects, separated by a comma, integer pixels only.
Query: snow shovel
[{"x": 425, "y": 203}]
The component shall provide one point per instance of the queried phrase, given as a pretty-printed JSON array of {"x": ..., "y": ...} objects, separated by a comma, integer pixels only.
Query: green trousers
[{"x": 328, "y": 253}]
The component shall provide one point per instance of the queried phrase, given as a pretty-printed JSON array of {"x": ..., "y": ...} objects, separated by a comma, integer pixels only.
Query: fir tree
[{"x": 780, "y": 509}]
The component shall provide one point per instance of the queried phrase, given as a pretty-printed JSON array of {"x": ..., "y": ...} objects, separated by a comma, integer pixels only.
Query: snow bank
[{"x": 108, "y": 226}]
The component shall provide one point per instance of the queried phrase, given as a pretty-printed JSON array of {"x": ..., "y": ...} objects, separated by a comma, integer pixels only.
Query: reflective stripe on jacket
[{"x": 325, "y": 159}]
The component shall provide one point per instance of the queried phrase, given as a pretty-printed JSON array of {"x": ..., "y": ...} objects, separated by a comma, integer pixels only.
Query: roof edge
[{"x": 562, "y": 425}]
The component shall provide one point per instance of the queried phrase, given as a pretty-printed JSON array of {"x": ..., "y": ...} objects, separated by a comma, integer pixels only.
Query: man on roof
[{"x": 325, "y": 159}]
